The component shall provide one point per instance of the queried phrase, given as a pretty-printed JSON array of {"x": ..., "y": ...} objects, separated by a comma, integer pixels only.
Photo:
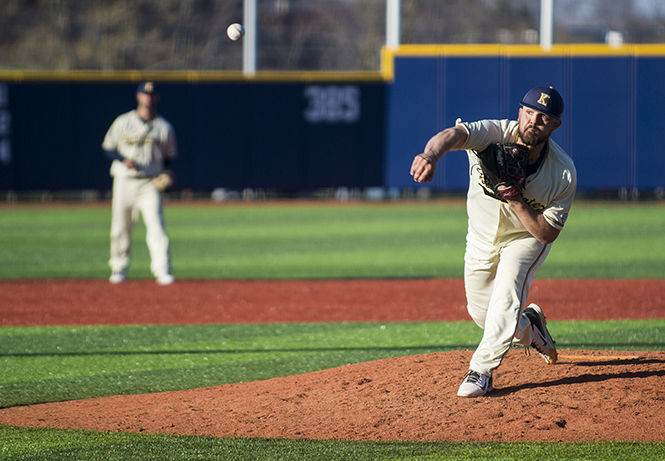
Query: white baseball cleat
[
  {"x": 117, "y": 277},
  {"x": 166, "y": 279},
  {"x": 540, "y": 337},
  {"x": 475, "y": 385}
]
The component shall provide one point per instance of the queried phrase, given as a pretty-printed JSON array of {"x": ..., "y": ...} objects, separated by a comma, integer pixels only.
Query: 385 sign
[{"x": 332, "y": 104}]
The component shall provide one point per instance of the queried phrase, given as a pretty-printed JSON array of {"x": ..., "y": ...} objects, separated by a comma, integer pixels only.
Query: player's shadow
[{"x": 587, "y": 377}]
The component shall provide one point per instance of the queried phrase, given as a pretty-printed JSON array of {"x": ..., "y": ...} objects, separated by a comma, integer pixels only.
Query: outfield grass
[
  {"x": 358, "y": 240},
  {"x": 426, "y": 239}
]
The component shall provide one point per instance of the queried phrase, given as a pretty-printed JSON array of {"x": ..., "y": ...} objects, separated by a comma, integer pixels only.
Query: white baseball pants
[
  {"x": 131, "y": 196},
  {"x": 497, "y": 279}
]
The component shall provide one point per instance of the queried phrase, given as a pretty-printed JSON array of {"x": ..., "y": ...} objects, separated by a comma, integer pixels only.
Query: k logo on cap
[{"x": 544, "y": 99}]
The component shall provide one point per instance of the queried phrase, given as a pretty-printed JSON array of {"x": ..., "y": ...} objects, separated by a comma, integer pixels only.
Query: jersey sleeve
[
  {"x": 484, "y": 132},
  {"x": 556, "y": 213},
  {"x": 112, "y": 137}
]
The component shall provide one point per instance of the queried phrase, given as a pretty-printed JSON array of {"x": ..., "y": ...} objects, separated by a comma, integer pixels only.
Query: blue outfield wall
[
  {"x": 286, "y": 136},
  {"x": 306, "y": 132},
  {"x": 614, "y": 111}
]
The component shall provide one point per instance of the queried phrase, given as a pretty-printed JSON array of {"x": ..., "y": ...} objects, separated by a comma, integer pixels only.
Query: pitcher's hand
[{"x": 422, "y": 170}]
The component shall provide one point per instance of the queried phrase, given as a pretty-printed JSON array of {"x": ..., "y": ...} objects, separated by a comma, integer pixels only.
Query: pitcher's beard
[{"x": 530, "y": 138}]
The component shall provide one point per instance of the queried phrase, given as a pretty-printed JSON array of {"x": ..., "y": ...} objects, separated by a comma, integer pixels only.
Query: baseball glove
[
  {"x": 504, "y": 165},
  {"x": 163, "y": 181}
]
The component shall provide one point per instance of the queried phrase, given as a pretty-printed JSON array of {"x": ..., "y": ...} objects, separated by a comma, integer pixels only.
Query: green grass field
[
  {"x": 322, "y": 241},
  {"x": 42, "y": 364}
]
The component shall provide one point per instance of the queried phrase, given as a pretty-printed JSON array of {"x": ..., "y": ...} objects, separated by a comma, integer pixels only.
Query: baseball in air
[{"x": 235, "y": 31}]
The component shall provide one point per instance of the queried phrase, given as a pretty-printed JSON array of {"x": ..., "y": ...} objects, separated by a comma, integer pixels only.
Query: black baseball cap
[
  {"x": 544, "y": 99},
  {"x": 148, "y": 87}
]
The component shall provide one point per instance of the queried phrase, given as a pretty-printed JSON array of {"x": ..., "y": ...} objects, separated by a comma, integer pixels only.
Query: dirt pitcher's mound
[{"x": 587, "y": 396}]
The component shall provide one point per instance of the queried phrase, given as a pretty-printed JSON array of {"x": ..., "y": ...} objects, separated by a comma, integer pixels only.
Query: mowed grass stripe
[
  {"x": 326, "y": 240},
  {"x": 29, "y": 443}
]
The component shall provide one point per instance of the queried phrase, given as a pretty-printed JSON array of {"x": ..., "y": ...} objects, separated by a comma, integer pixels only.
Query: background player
[
  {"x": 508, "y": 236},
  {"x": 142, "y": 145}
]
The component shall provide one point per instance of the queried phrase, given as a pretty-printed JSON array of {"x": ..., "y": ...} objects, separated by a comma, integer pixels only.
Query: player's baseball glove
[
  {"x": 504, "y": 165},
  {"x": 163, "y": 181}
]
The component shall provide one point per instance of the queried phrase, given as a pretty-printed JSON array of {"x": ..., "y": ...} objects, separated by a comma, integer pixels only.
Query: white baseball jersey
[
  {"x": 550, "y": 190},
  {"x": 146, "y": 143}
]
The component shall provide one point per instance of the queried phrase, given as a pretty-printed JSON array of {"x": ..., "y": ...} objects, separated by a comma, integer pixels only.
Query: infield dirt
[{"x": 587, "y": 396}]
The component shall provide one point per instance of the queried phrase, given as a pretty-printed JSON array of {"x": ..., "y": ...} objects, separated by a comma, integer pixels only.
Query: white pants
[
  {"x": 131, "y": 196},
  {"x": 497, "y": 279}
]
